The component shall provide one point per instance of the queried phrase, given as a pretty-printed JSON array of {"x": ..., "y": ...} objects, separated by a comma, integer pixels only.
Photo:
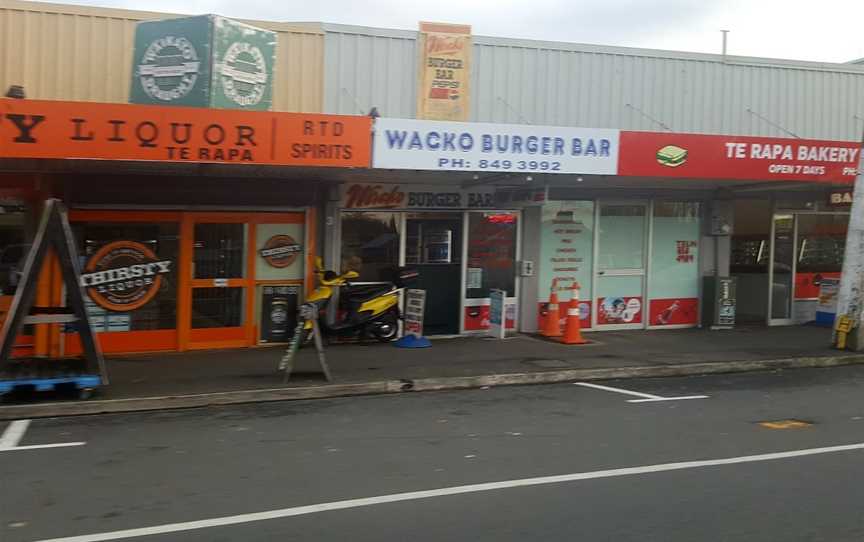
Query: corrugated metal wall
[
  {"x": 365, "y": 68},
  {"x": 531, "y": 82},
  {"x": 623, "y": 89},
  {"x": 60, "y": 52}
]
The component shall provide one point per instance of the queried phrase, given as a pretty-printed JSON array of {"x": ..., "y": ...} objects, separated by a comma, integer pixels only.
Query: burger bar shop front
[
  {"x": 462, "y": 246},
  {"x": 168, "y": 281}
]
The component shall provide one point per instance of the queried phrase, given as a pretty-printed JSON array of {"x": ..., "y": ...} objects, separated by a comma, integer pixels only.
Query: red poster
[
  {"x": 696, "y": 156},
  {"x": 669, "y": 312},
  {"x": 584, "y": 313},
  {"x": 807, "y": 284},
  {"x": 619, "y": 310},
  {"x": 477, "y": 318}
]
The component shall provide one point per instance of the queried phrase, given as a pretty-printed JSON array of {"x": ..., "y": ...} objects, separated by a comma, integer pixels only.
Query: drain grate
[{"x": 786, "y": 424}]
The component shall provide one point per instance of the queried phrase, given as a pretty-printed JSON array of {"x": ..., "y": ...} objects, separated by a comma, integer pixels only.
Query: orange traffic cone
[
  {"x": 552, "y": 325},
  {"x": 573, "y": 332}
]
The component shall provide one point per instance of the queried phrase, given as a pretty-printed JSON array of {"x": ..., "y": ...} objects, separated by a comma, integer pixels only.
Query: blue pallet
[{"x": 81, "y": 382}]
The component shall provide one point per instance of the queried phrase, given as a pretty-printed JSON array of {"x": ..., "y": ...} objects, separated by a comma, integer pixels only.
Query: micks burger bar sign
[{"x": 58, "y": 130}]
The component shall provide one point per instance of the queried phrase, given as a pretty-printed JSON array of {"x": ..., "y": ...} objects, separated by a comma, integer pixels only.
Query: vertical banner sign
[
  {"x": 415, "y": 306},
  {"x": 444, "y": 92},
  {"x": 496, "y": 313}
]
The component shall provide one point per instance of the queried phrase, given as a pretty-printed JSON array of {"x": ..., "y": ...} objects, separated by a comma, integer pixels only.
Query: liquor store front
[
  {"x": 461, "y": 245},
  {"x": 175, "y": 281}
]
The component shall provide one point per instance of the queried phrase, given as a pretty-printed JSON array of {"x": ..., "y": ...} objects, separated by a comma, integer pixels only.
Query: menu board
[{"x": 567, "y": 251}]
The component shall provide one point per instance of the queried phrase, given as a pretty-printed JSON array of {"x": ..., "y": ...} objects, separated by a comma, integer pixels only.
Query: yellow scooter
[{"x": 364, "y": 310}]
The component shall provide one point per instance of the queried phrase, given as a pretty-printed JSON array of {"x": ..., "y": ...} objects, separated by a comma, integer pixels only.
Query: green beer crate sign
[{"x": 204, "y": 61}]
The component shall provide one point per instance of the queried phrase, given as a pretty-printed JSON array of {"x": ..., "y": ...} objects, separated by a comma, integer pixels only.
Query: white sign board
[
  {"x": 473, "y": 146},
  {"x": 497, "y": 317},
  {"x": 415, "y": 306}
]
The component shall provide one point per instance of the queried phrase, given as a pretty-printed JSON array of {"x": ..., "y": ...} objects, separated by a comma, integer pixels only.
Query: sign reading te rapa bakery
[
  {"x": 473, "y": 146},
  {"x": 695, "y": 156}
]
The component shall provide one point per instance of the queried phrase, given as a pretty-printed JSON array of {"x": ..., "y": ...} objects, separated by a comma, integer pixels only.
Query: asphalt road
[{"x": 149, "y": 471}]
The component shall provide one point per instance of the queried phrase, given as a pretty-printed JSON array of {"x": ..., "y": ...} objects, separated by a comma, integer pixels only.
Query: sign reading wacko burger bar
[{"x": 124, "y": 275}]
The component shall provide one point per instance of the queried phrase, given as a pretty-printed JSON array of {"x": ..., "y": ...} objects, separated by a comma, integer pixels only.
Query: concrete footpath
[{"x": 203, "y": 378}]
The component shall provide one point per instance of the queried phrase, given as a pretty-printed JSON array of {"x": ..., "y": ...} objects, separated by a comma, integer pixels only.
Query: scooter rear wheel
[{"x": 386, "y": 329}]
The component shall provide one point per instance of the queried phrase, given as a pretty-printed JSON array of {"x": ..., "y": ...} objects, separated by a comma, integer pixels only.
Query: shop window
[
  {"x": 821, "y": 243},
  {"x": 13, "y": 246},
  {"x": 370, "y": 244},
  {"x": 220, "y": 251},
  {"x": 217, "y": 307},
  {"x": 621, "y": 233},
  {"x": 567, "y": 253},
  {"x": 130, "y": 274},
  {"x": 673, "y": 282},
  {"x": 491, "y": 253}
]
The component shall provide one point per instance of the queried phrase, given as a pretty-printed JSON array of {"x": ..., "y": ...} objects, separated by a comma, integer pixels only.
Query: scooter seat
[{"x": 361, "y": 294}]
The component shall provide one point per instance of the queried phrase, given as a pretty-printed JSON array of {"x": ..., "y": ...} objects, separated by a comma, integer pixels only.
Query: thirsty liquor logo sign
[
  {"x": 123, "y": 276},
  {"x": 169, "y": 68},
  {"x": 280, "y": 251},
  {"x": 244, "y": 74}
]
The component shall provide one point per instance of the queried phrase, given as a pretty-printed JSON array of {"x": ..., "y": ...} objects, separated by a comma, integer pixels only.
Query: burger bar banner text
[
  {"x": 474, "y": 146},
  {"x": 694, "y": 156},
  {"x": 445, "y": 71},
  {"x": 47, "y": 129}
]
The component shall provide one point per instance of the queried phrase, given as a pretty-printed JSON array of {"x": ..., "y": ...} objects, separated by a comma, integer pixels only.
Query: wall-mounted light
[{"x": 16, "y": 92}]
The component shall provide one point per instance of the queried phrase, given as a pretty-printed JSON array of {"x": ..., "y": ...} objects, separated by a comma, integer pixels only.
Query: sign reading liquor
[
  {"x": 445, "y": 71},
  {"x": 696, "y": 156},
  {"x": 45, "y": 129},
  {"x": 123, "y": 276},
  {"x": 449, "y": 146},
  {"x": 359, "y": 196}
]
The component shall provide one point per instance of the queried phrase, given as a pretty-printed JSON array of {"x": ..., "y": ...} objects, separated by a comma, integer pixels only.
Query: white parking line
[
  {"x": 15, "y": 432},
  {"x": 442, "y": 492},
  {"x": 645, "y": 397}
]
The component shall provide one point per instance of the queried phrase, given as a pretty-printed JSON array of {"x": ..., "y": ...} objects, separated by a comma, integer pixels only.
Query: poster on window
[
  {"x": 443, "y": 91},
  {"x": 674, "y": 312},
  {"x": 566, "y": 255},
  {"x": 619, "y": 310},
  {"x": 673, "y": 285}
]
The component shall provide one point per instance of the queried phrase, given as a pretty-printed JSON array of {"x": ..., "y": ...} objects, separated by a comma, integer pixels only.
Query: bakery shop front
[{"x": 195, "y": 228}]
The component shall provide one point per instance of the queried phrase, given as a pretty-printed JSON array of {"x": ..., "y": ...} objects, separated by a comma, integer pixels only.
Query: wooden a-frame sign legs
[{"x": 54, "y": 231}]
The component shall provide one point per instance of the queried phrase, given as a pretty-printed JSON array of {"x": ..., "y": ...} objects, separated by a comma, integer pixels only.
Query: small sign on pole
[
  {"x": 415, "y": 307},
  {"x": 497, "y": 322}
]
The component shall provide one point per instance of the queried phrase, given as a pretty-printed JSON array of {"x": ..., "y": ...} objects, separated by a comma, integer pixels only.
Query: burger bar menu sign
[
  {"x": 58, "y": 130},
  {"x": 443, "y": 90},
  {"x": 695, "y": 156}
]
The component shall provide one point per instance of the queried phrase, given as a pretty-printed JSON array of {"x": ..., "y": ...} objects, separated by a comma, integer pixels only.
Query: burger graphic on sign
[
  {"x": 280, "y": 251},
  {"x": 123, "y": 276},
  {"x": 671, "y": 156}
]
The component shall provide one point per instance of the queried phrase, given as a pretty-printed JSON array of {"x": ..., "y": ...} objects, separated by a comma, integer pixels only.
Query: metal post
[{"x": 851, "y": 295}]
